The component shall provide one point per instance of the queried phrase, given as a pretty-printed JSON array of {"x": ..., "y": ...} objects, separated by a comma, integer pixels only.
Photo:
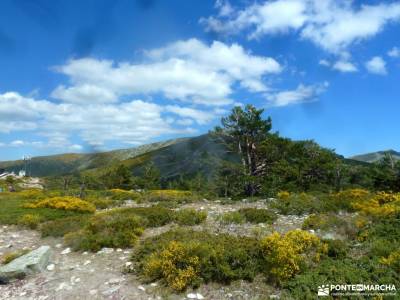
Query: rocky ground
[{"x": 83, "y": 275}]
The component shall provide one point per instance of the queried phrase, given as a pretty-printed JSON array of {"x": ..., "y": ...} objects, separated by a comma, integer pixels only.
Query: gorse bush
[
  {"x": 258, "y": 215},
  {"x": 233, "y": 217},
  {"x": 344, "y": 225},
  {"x": 177, "y": 263},
  {"x": 119, "y": 194},
  {"x": 60, "y": 227},
  {"x": 286, "y": 255},
  {"x": 183, "y": 258},
  {"x": 169, "y": 195},
  {"x": 119, "y": 227},
  {"x": 393, "y": 261},
  {"x": 31, "y": 194},
  {"x": 29, "y": 220},
  {"x": 190, "y": 217},
  {"x": 9, "y": 257},
  {"x": 64, "y": 203},
  {"x": 108, "y": 229},
  {"x": 283, "y": 195},
  {"x": 153, "y": 216},
  {"x": 381, "y": 205},
  {"x": 250, "y": 215}
]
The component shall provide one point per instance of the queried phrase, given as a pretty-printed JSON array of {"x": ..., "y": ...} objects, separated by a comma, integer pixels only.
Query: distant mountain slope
[
  {"x": 69, "y": 163},
  {"x": 376, "y": 156},
  {"x": 174, "y": 158}
]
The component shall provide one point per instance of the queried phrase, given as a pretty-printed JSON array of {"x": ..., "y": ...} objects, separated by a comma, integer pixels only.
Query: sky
[{"x": 95, "y": 75}]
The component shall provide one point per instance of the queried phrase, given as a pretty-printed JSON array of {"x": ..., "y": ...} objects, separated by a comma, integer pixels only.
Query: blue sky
[{"x": 78, "y": 76}]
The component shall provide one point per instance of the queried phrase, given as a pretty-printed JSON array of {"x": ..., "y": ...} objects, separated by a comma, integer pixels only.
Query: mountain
[
  {"x": 178, "y": 157},
  {"x": 72, "y": 162},
  {"x": 376, "y": 156}
]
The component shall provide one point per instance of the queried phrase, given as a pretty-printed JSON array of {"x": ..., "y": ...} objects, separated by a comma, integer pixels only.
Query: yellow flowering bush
[
  {"x": 382, "y": 204},
  {"x": 169, "y": 195},
  {"x": 29, "y": 220},
  {"x": 9, "y": 257},
  {"x": 64, "y": 203},
  {"x": 287, "y": 254},
  {"x": 353, "y": 194},
  {"x": 283, "y": 195},
  {"x": 31, "y": 194},
  {"x": 393, "y": 260},
  {"x": 175, "y": 264},
  {"x": 119, "y": 194}
]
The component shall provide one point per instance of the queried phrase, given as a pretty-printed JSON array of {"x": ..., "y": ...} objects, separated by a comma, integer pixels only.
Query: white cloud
[
  {"x": 394, "y": 52},
  {"x": 376, "y": 65},
  {"x": 225, "y": 8},
  {"x": 344, "y": 66},
  {"x": 17, "y": 143},
  {"x": 333, "y": 25},
  {"x": 301, "y": 94},
  {"x": 201, "y": 117},
  {"x": 84, "y": 94},
  {"x": 189, "y": 71},
  {"x": 324, "y": 62},
  {"x": 131, "y": 122}
]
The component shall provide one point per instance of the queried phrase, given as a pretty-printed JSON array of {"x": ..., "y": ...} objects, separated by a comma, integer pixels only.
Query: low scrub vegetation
[
  {"x": 116, "y": 229},
  {"x": 31, "y": 221},
  {"x": 190, "y": 217},
  {"x": 184, "y": 258},
  {"x": 170, "y": 195},
  {"x": 249, "y": 215},
  {"x": 64, "y": 203},
  {"x": 10, "y": 256},
  {"x": 286, "y": 255}
]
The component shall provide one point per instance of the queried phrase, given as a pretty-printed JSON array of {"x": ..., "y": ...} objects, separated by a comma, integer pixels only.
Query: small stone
[
  {"x": 142, "y": 288},
  {"x": 153, "y": 284},
  {"x": 128, "y": 264},
  {"x": 85, "y": 253},
  {"x": 22, "y": 294},
  {"x": 87, "y": 262},
  {"x": 119, "y": 250},
  {"x": 58, "y": 245},
  {"x": 115, "y": 281},
  {"x": 111, "y": 291},
  {"x": 122, "y": 257},
  {"x": 66, "y": 251},
  {"x": 199, "y": 296},
  {"x": 93, "y": 292},
  {"x": 63, "y": 286},
  {"x": 51, "y": 267},
  {"x": 191, "y": 296}
]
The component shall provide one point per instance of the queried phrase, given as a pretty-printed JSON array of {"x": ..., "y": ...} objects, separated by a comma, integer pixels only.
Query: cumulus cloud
[
  {"x": 84, "y": 94},
  {"x": 131, "y": 122},
  {"x": 394, "y": 52},
  {"x": 190, "y": 71},
  {"x": 301, "y": 94},
  {"x": 376, "y": 65},
  {"x": 333, "y": 25},
  {"x": 344, "y": 66}
]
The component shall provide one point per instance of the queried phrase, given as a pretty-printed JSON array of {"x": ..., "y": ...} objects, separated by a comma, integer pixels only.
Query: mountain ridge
[{"x": 372, "y": 157}]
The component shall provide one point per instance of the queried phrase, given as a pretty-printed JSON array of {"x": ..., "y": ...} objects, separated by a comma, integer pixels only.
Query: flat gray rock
[{"x": 30, "y": 263}]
